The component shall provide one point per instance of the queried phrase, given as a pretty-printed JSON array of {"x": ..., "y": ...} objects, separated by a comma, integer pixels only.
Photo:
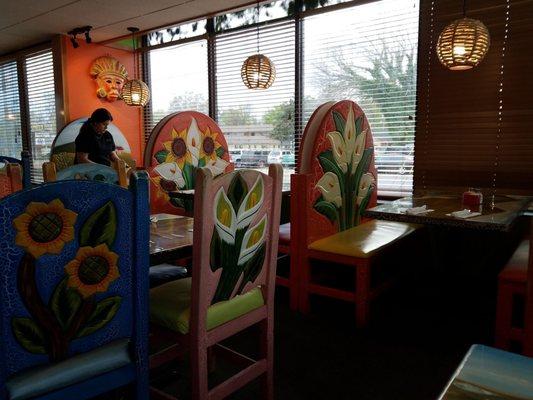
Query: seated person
[{"x": 94, "y": 143}]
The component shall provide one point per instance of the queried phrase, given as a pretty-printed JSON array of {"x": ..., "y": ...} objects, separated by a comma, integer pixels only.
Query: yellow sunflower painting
[
  {"x": 210, "y": 145},
  {"x": 177, "y": 148},
  {"x": 93, "y": 270},
  {"x": 45, "y": 228}
]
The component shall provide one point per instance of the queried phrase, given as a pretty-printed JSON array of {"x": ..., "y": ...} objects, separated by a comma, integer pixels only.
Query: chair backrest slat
[
  {"x": 24, "y": 162},
  {"x": 10, "y": 179}
]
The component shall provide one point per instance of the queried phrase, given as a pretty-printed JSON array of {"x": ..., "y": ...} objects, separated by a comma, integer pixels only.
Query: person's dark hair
[{"x": 101, "y": 115}]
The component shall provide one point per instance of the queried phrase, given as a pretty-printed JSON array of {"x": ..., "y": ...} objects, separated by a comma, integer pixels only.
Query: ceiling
[{"x": 24, "y": 23}]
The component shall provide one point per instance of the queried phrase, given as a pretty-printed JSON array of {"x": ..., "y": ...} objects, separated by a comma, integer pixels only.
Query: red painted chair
[
  {"x": 179, "y": 144},
  {"x": 512, "y": 282},
  {"x": 335, "y": 183},
  {"x": 10, "y": 179},
  {"x": 236, "y": 227}
]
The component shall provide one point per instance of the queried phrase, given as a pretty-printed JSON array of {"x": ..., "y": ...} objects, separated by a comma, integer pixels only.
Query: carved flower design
[
  {"x": 93, "y": 269},
  {"x": 45, "y": 228},
  {"x": 177, "y": 149}
]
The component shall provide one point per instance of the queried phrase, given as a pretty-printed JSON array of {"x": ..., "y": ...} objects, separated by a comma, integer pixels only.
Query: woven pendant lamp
[
  {"x": 257, "y": 71},
  {"x": 135, "y": 92},
  {"x": 463, "y": 43}
]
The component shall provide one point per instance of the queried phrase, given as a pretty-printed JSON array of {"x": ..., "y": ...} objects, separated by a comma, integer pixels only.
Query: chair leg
[
  {"x": 504, "y": 311},
  {"x": 267, "y": 352},
  {"x": 293, "y": 283},
  {"x": 362, "y": 289},
  {"x": 199, "y": 381},
  {"x": 304, "y": 278}
]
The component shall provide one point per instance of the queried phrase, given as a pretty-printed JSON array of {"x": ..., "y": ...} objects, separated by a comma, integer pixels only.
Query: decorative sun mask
[{"x": 110, "y": 75}]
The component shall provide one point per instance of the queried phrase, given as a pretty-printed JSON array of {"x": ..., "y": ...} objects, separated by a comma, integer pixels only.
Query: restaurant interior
[{"x": 282, "y": 199}]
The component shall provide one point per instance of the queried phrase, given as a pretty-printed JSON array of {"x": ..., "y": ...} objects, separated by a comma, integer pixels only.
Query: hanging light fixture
[
  {"x": 135, "y": 92},
  {"x": 257, "y": 71},
  {"x": 463, "y": 43}
]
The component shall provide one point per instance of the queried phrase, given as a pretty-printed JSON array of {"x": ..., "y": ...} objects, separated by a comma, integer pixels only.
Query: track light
[{"x": 78, "y": 31}]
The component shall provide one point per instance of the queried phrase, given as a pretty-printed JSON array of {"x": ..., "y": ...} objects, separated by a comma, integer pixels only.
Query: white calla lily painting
[{"x": 346, "y": 186}]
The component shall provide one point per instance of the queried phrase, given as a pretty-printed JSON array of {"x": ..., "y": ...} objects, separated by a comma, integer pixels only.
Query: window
[
  {"x": 10, "y": 131},
  {"x": 28, "y": 112},
  {"x": 178, "y": 81},
  {"x": 368, "y": 53},
  {"x": 365, "y": 51}
]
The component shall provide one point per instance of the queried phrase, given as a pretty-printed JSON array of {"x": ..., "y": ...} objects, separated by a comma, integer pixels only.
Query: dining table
[{"x": 171, "y": 237}]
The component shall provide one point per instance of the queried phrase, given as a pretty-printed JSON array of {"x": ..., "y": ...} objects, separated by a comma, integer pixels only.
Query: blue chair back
[
  {"x": 24, "y": 162},
  {"x": 75, "y": 260}
]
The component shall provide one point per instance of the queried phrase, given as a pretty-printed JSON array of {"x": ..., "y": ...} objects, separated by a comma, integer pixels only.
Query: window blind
[
  {"x": 10, "y": 127},
  {"x": 258, "y": 124},
  {"x": 178, "y": 81},
  {"x": 368, "y": 53},
  {"x": 40, "y": 88},
  {"x": 474, "y": 127}
]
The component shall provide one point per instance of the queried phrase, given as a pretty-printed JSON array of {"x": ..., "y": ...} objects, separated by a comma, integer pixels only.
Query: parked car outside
[
  {"x": 235, "y": 156},
  {"x": 288, "y": 159},
  {"x": 274, "y": 156},
  {"x": 254, "y": 158}
]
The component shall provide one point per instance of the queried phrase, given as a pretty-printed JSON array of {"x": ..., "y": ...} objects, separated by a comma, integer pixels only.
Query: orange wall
[{"x": 81, "y": 98}]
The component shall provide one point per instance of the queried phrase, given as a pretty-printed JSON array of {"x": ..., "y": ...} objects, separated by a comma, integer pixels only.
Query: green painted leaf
[
  {"x": 340, "y": 123},
  {"x": 363, "y": 166},
  {"x": 101, "y": 227},
  {"x": 237, "y": 191},
  {"x": 366, "y": 200},
  {"x": 189, "y": 174},
  {"x": 253, "y": 267},
  {"x": 327, "y": 209},
  {"x": 220, "y": 152},
  {"x": 161, "y": 156},
  {"x": 177, "y": 202},
  {"x": 201, "y": 162},
  {"x": 358, "y": 126},
  {"x": 214, "y": 252},
  {"x": 29, "y": 335},
  {"x": 104, "y": 312},
  {"x": 65, "y": 303},
  {"x": 328, "y": 164}
]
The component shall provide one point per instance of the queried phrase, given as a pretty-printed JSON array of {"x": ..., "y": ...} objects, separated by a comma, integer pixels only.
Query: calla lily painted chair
[
  {"x": 335, "y": 183},
  {"x": 88, "y": 171},
  {"x": 179, "y": 144},
  {"x": 74, "y": 293},
  {"x": 233, "y": 278},
  {"x": 24, "y": 163}
]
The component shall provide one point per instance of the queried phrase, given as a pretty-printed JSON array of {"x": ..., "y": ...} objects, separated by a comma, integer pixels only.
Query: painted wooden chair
[
  {"x": 74, "y": 298},
  {"x": 88, "y": 171},
  {"x": 179, "y": 144},
  {"x": 512, "y": 282},
  {"x": 335, "y": 183},
  {"x": 232, "y": 286},
  {"x": 10, "y": 179},
  {"x": 24, "y": 163},
  {"x": 487, "y": 373}
]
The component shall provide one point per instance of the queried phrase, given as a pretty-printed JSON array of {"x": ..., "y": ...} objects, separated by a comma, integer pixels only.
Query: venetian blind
[
  {"x": 10, "y": 128},
  {"x": 40, "y": 89},
  {"x": 178, "y": 81},
  {"x": 474, "y": 127},
  {"x": 257, "y": 123},
  {"x": 368, "y": 53}
]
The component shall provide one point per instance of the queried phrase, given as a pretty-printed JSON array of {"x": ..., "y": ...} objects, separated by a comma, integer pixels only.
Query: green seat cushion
[
  {"x": 47, "y": 378},
  {"x": 170, "y": 306}
]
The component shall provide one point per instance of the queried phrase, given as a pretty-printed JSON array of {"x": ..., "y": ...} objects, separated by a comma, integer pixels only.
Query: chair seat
[
  {"x": 163, "y": 273},
  {"x": 170, "y": 306},
  {"x": 491, "y": 374},
  {"x": 38, "y": 380},
  {"x": 516, "y": 268},
  {"x": 285, "y": 234},
  {"x": 362, "y": 241}
]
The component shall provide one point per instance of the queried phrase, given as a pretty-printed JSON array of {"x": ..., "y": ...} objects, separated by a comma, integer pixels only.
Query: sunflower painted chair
[
  {"x": 97, "y": 172},
  {"x": 10, "y": 179},
  {"x": 335, "y": 183},
  {"x": 74, "y": 298},
  {"x": 179, "y": 144},
  {"x": 233, "y": 279},
  {"x": 24, "y": 163}
]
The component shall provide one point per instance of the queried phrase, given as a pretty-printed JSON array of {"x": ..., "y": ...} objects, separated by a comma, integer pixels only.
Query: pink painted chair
[
  {"x": 10, "y": 179},
  {"x": 336, "y": 182},
  {"x": 179, "y": 144},
  {"x": 236, "y": 227}
]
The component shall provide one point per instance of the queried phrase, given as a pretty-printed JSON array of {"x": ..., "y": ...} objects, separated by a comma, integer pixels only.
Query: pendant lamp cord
[
  {"x": 258, "y": 26},
  {"x": 464, "y": 8}
]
